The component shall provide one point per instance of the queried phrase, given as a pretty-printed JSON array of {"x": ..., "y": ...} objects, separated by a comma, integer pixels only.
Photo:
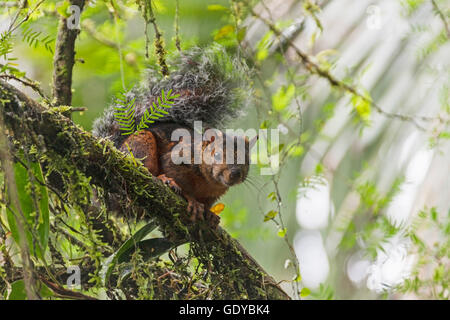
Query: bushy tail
[{"x": 212, "y": 87}]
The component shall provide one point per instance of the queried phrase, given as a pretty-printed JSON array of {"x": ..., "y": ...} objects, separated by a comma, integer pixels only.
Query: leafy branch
[
  {"x": 34, "y": 38},
  {"x": 149, "y": 17},
  {"x": 316, "y": 69},
  {"x": 442, "y": 16}
]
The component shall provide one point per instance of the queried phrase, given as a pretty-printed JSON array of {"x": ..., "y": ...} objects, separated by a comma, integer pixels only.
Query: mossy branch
[{"x": 236, "y": 274}]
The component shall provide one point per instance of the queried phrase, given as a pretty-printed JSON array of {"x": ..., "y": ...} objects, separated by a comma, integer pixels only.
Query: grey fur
[{"x": 218, "y": 91}]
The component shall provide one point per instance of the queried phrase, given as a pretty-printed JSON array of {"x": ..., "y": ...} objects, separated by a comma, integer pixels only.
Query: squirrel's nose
[{"x": 235, "y": 174}]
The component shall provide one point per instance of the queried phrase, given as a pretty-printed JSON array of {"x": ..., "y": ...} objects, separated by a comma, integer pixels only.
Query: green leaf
[
  {"x": 262, "y": 54},
  {"x": 434, "y": 214},
  {"x": 150, "y": 248},
  {"x": 265, "y": 124},
  {"x": 217, "y": 7},
  {"x": 362, "y": 106},
  {"x": 282, "y": 232},
  {"x": 305, "y": 292},
  {"x": 116, "y": 257},
  {"x": 18, "y": 291},
  {"x": 224, "y": 31},
  {"x": 241, "y": 34},
  {"x": 63, "y": 9},
  {"x": 298, "y": 278},
  {"x": 37, "y": 219},
  {"x": 263, "y": 46},
  {"x": 272, "y": 196},
  {"x": 270, "y": 215},
  {"x": 282, "y": 98}
]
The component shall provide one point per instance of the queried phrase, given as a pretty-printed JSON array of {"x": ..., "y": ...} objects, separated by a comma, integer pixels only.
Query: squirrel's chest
[
  {"x": 205, "y": 191},
  {"x": 208, "y": 190}
]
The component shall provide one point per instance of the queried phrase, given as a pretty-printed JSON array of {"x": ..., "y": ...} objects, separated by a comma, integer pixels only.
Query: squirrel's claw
[
  {"x": 170, "y": 183},
  {"x": 198, "y": 212}
]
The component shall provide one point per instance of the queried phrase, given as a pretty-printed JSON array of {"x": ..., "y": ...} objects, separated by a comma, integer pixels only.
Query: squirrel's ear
[{"x": 252, "y": 142}]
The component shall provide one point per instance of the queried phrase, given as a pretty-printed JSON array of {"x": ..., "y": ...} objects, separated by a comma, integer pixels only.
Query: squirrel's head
[{"x": 226, "y": 159}]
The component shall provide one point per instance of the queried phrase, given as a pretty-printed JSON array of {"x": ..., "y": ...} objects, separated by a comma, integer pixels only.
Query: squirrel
[{"x": 211, "y": 88}]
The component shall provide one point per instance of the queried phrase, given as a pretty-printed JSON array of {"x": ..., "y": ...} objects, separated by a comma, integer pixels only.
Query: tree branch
[
  {"x": 316, "y": 69},
  {"x": 64, "y": 59},
  {"x": 236, "y": 273}
]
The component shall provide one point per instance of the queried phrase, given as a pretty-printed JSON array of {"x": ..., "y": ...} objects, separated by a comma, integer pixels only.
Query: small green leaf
[
  {"x": 263, "y": 46},
  {"x": 262, "y": 54},
  {"x": 362, "y": 106},
  {"x": 63, "y": 9},
  {"x": 272, "y": 196},
  {"x": 305, "y": 292},
  {"x": 282, "y": 232},
  {"x": 434, "y": 214},
  {"x": 265, "y": 124},
  {"x": 241, "y": 34},
  {"x": 270, "y": 215},
  {"x": 224, "y": 31},
  {"x": 298, "y": 278},
  {"x": 282, "y": 98},
  {"x": 217, "y": 7}
]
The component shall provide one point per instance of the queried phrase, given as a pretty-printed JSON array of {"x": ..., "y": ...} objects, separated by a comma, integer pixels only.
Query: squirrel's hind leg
[{"x": 143, "y": 146}]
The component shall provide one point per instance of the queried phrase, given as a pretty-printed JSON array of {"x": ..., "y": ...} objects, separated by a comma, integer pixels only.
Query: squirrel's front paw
[
  {"x": 170, "y": 182},
  {"x": 196, "y": 209},
  {"x": 198, "y": 212}
]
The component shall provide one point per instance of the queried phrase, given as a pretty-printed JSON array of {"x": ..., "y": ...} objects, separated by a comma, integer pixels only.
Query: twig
[
  {"x": 159, "y": 42},
  {"x": 89, "y": 26},
  {"x": 442, "y": 16},
  {"x": 29, "y": 83},
  {"x": 63, "y": 292},
  {"x": 316, "y": 69},
  {"x": 177, "y": 26}
]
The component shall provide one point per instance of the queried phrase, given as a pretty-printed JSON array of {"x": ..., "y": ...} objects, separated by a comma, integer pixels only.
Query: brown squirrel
[{"x": 211, "y": 89}]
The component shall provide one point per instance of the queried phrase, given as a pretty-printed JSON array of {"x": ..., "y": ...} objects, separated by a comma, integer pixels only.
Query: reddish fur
[{"x": 197, "y": 187}]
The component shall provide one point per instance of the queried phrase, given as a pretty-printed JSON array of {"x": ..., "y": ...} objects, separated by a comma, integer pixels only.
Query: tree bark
[
  {"x": 64, "y": 59},
  {"x": 232, "y": 267}
]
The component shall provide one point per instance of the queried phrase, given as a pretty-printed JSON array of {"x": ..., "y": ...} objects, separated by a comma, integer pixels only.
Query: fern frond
[
  {"x": 124, "y": 114},
  {"x": 35, "y": 38},
  {"x": 164, "y": 101}
]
